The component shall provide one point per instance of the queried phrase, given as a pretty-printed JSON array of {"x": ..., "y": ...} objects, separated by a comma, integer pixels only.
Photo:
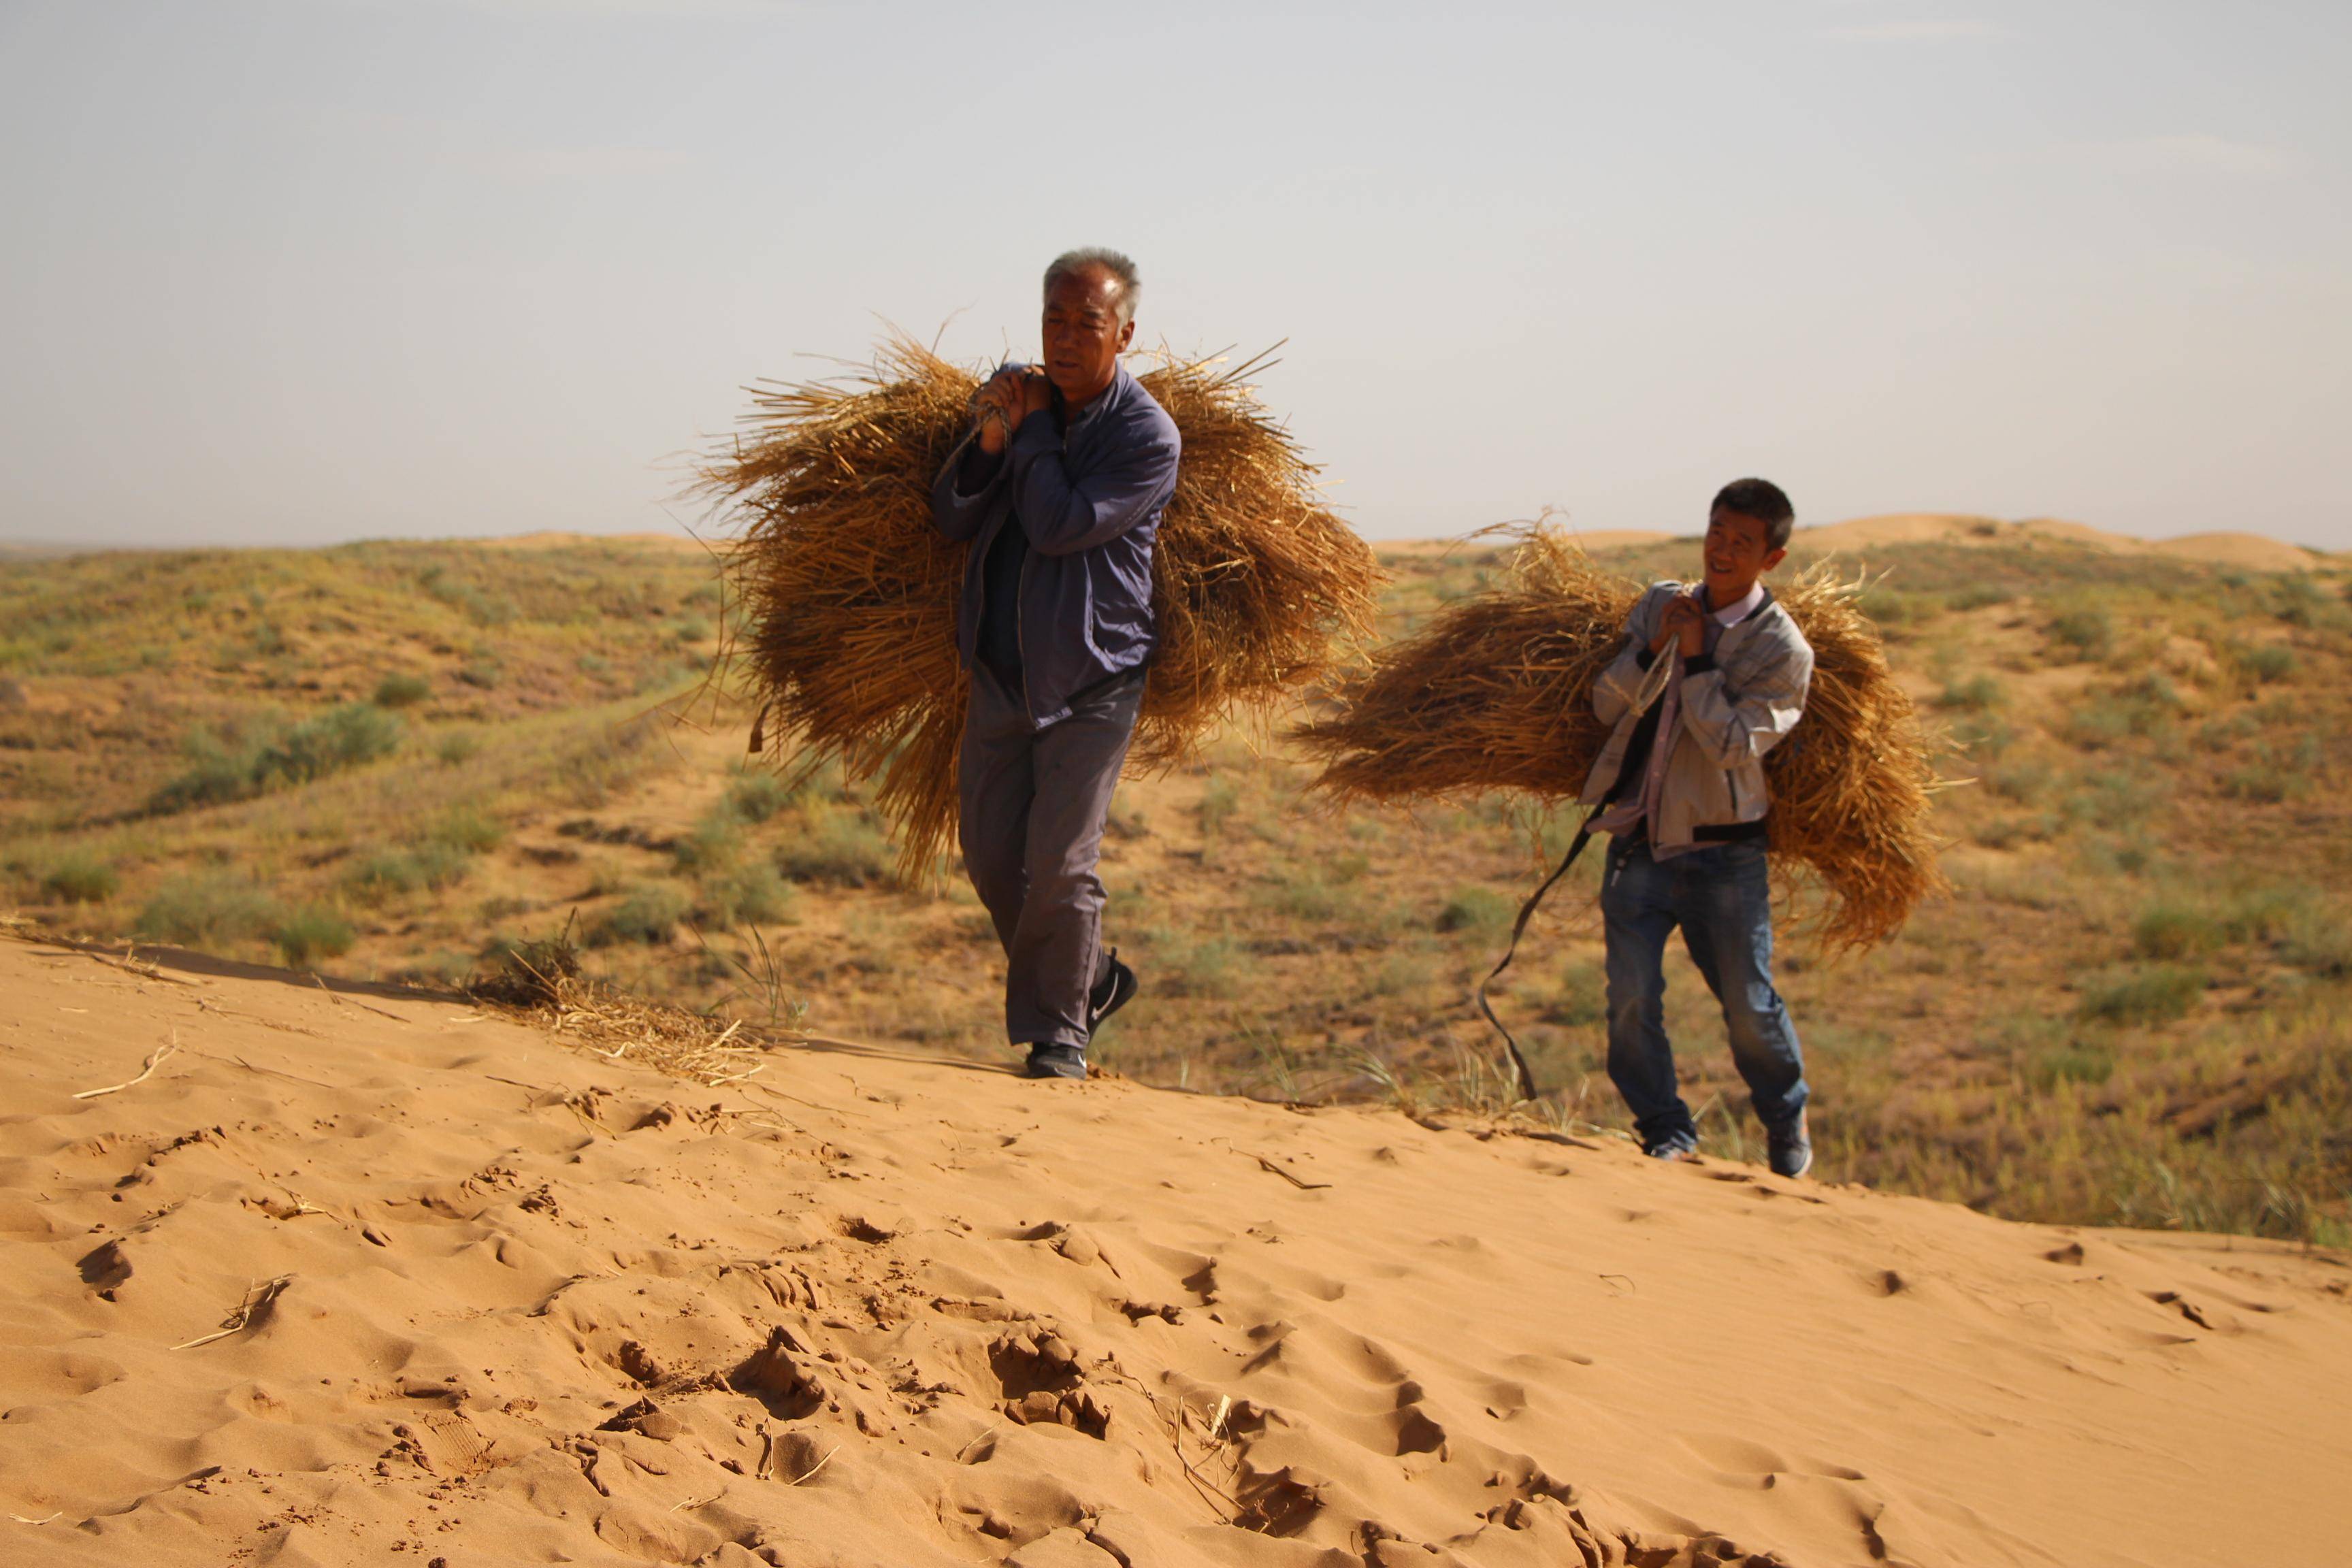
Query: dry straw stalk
[
  {"x": 1494, "y": 693},
  {"x": 849, "y": 592}
]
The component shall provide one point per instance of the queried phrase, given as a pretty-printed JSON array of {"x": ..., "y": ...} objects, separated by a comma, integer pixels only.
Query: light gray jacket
[{"x": 1736, "y": 703}]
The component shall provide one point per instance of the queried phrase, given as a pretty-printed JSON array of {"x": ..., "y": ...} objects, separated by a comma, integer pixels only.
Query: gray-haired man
[{"x": 1060, "y": 495}]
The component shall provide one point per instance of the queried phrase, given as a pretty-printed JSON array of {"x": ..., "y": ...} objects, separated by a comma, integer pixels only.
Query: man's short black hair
[{"x": 1765, "y": 501}]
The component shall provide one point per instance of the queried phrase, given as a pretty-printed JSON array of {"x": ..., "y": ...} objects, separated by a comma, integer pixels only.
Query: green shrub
[
  {"x": 2171, "y": 932},
  {"x": 2299, "y": 602},
  {"x": 2148, "y": 995},
  {"x": 312, "y": 933},
  {"x": 1582, "y": 998},
  {"x": 713, "y": 844},
  {"x": 2265, "y": 914},
  {"x": 2142, "y": 708},
  {"x": 205, "y": 911},
  {"x": 1220, "y": 797},
  {"x": 2269, "y": 661},
  {"x": 2320, "y": 942},
  {"x": 2024, "y": 781},
  {"x": 2007, "y": 831},
  {"x": 430, "y": 865},
  {"x": 1891, "y": 608},
  {"x": 1201, "y": 966},
  {"x": 482, "y": 673},
  {"x": 751, "y": 893},
  {"x": 1480, "y": 910},
  {"x": 1980, "y": 596},
  {"x": 2263, "y": 780},
  {"x": 649, "y": 914},
  {"x": 218, "y": 771},
  {"x": 2088, "y": 630},
  {"x": 466, "y": 829},
  {"x": 755, "y": 797},
  {"x": 838, "y": 845},
  {"x": 401, "y": 691},
  {"x": 78, "y": 877},
  {"x": 1978, "y": 694},
  {"x": 343, "y": 736},
  {"x": 2071, "y": 1061}
]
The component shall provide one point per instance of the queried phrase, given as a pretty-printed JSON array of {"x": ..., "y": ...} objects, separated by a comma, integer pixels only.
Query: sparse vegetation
[
  {"x": 311, "y": 934},
  {"x": 401, "y": 691},
  {"x": 2154, "y": 994},
  {"x": 78, "y": 877},
  {"x": 207, "y": 911},
  {"x": 838, "y": 845},
  {"x": 648, "y": 913},
  {"x": 2134, "y": 1008}
]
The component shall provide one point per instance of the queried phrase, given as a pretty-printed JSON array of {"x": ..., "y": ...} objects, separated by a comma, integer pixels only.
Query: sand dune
[
  {"x": 2247, "y": 551},
  {"x": 2253, "y": 551},
  {"x": 376, "y": 1279}
]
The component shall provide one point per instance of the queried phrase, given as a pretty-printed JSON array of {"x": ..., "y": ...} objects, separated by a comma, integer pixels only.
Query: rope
[{"x": 1518, "y": 927}]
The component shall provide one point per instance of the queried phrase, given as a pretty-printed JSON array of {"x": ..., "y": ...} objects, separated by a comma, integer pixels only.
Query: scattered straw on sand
[
  {"x": 850, "y": 591},
  {"x": 541, "y": 981},
  {"x": 1494, "y": 693}
]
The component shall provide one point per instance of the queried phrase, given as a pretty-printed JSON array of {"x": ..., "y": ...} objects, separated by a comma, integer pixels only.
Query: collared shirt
[
  {"x": 1634, "y": 817},
  {"x": 1000, "y": 612},
  {"x": 1086, "y": 499}
]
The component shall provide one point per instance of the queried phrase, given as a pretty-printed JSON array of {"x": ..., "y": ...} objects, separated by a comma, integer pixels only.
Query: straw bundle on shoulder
[
  {"x": 849, "y": 592},
  {"x": 1496, "y": 693}
]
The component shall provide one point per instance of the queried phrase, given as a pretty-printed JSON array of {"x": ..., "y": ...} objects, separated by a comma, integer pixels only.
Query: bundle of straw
[
  {"x": 850, "y": 592},
  {"x": 1496, "y": 693}
]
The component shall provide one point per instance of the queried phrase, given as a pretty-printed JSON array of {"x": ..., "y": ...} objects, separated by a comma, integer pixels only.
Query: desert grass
[
  {"x": 2162, "y": 808},
  {"x": 850, "y": 592},
  {"x": 1494, "y": 693}
]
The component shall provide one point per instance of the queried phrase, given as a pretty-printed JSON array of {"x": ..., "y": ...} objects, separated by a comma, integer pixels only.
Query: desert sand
[
  {"x": 2246, "y": 551},
  {"x": 377, "y": 1277},
  {"x": 2249, "y": 552}
]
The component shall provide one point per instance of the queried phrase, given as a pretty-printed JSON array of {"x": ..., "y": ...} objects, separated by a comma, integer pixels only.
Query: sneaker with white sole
[{"x": 1788, "y": 1148}]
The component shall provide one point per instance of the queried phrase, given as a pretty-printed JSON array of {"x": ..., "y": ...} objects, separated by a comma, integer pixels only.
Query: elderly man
[{"x": 1060, "y": 491}]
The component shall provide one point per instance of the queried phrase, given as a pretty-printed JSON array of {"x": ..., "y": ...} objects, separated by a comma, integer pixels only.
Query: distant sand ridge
[
  {"x": 351, "y": 1276},
  {"x": 2249, "y": 552}
]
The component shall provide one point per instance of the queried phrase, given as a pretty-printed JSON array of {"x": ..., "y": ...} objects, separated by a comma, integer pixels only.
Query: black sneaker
[
  {"x": 1056, "y": 1061},
  {"x": 1115, "y": 990},
  {"x": 1679, "y": 1146},
  {"x": 1788, "y": 1148}
]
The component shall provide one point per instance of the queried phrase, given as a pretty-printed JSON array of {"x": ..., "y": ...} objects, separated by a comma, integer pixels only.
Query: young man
[
  {"x": 1713, "y": 674},
  {"x": 1060, "y": 493}
]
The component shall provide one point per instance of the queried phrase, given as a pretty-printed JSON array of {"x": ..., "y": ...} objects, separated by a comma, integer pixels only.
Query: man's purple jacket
[{"x": 1089, "y": 503}]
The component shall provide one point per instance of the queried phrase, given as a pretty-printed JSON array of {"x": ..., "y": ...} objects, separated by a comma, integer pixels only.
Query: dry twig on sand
[
  {"x": 1494, "y": 693},
  {"x": 258, "y": 1297},
  {"x": 156, "y": 1058},
  {"x": 849, "y": 592}
]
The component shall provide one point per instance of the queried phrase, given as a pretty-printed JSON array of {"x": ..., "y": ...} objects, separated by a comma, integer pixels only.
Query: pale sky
[{"x": 309, "y": 270}]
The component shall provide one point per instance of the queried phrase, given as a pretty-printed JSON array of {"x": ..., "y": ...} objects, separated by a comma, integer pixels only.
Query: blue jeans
[{"x": 1721, "y": 898}]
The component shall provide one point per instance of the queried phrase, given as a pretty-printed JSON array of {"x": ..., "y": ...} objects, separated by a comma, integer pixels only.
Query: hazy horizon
[{"x": 302, "y": 273}]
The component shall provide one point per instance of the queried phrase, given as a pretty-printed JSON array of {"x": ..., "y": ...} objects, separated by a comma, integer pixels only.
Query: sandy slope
[
  {"x": 2253, "y": 551},
  {"x": 2247, "y": 551},
  {"x": 542, "y": 1307}
]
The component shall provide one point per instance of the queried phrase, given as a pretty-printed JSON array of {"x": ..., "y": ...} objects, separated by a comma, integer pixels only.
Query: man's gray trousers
[{"x": 1033, "y": 802}]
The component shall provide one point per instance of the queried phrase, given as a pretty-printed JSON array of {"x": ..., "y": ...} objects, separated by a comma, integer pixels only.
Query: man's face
[
  {"x": 1738, "y": 550},
  {"x": 1083, "y": 332}
]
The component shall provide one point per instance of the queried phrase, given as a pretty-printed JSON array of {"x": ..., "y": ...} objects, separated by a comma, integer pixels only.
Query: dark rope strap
[{"x": 1518, "y": 928}]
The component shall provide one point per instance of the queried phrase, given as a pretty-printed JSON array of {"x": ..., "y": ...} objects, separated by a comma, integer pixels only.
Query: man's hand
[
  {"x": 1036, "y": 396},
  {"x": 1011, "y": 395},
  {"x": 1685, "y": 624}
]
